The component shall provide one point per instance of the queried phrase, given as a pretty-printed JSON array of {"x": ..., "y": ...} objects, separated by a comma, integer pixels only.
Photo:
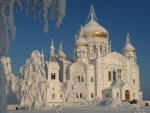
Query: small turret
[
  {"x": 61, "y": 54},
  {"x": 81, "y": 52},
  {"x": 52, "y": 66},
  {"x": 52, "y": 54},
  {"x": 81, "y": 41},
  {"x": 42, "y": 58},
  {"x": 129, "y": 50}
]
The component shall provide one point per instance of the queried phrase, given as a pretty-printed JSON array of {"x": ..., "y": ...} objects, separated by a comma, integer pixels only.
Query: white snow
[
  {"x": 7, "y": 24},
  {"x": 32, "y": 85},
  {"x": 69, "y": 89},
  {"x": 3, "y": 96},
  {"x": 11, "y": 79},
  {"x": 87, "y": 109}
]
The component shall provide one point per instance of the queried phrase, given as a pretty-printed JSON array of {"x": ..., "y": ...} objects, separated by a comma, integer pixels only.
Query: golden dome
[{"x": 93, "y": 29}]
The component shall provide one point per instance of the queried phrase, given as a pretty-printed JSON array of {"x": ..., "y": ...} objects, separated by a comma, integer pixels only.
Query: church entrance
[{"x": 127, "y": 95}]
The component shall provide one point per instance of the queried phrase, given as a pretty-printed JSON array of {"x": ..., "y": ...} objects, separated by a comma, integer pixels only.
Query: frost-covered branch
[
  {"x": 54, "y": 8},
  {"x": 69, "y": 89},
  {"x": 11, "y": 79},
  {"x": 32, "y": 91}
]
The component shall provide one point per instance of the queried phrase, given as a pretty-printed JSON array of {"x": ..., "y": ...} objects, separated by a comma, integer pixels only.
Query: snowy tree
[
  {"x": 32, "y": 91},
  {"x": 55, "y": 9},
  {"x": 11, "y": 79},
  {"x": 69, "y": 89}
]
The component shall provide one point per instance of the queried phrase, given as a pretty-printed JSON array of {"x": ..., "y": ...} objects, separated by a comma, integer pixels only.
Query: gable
[
  {"x": 115, "y": 58},
  {"x": 127, "y": 86}
]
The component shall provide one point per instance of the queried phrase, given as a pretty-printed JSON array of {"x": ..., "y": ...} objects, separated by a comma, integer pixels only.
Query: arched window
[
  {"x": 78, "y": 78},
  {"x": 133, "y": 95},
  {"x": 133, "y": 81},
  {"x": 100, "y": 48},
  {"x": 117, "y": 95},
  {"x": 82, "y": 79},
  {"x": 60, "y": 95},
  {"x": 53, "y": 96},
  {"x": 94, "y": 48},
  {"x": 92, "y": 95},
  {"x": 107, "y": 95},
  {"x": 114, "y": 75},
  {"x": 80, "y": 95},
  {"x": 109, "y": 75},
  {"x": 92, "y": 79},
  {"x": 77, "y": 96},
  {"x": 52, "y": 75}
]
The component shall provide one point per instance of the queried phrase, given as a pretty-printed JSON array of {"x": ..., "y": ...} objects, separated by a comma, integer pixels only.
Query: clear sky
[{"x": 118, "y": 17}]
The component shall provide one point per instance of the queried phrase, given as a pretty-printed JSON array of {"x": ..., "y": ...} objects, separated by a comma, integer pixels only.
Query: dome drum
[
  {"x": 81, "y": 43},
  {"x": 95, "y": 33},
  {"x": 81, "y": 47}
]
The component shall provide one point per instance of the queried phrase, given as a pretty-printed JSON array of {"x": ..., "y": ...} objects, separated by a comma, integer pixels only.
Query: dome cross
[{"x": 91, "y": 15}]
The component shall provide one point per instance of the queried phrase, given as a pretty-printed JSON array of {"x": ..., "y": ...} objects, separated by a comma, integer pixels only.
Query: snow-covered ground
[{"x": 88, "y": 109}]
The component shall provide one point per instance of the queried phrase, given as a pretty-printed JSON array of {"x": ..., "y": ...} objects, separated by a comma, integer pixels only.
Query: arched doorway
[{"x": 127, "y": 95}]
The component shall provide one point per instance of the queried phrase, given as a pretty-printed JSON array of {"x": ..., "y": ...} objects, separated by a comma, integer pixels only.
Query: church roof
[
  {"x": 117, "y": 84},
  {"x": 128, "y": 47},
  {"x": 92, "y": 28}
]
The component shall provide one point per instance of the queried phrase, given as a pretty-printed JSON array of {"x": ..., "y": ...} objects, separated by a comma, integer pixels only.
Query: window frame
[
  {"x": 53, "y": 76},
  {"x": 114, "y": 75},
  {"x": 133, "y": 81},
  {"x": 92, "y": 79},
  {"x": 92, "y": 95},
  {"x": 53, "y": 96},
  {"x": 109, "y": 75}
]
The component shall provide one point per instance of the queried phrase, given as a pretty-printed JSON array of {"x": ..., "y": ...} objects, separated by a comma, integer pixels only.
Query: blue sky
[{"x": 117, "y": 16}]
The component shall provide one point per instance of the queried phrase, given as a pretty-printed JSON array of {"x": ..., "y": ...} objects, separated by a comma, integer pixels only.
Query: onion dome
[
  {"x": 61, "y": 54},
  {"x": 52, "y": 54},
  {"x": 81, "y": 41},
  {"x": 128, "y": 47},
  {"x": 93, "y": 29}
]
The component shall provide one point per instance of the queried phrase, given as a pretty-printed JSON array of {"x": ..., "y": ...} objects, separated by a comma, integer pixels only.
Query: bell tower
[{"x": 52, "y": 66}]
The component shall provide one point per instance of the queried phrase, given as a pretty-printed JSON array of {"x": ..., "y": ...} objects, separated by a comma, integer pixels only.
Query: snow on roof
[{"x": 117, "y": 84}]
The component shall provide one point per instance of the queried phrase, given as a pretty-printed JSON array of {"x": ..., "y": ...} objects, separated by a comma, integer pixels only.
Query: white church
[{"x": 99, "y": 71}]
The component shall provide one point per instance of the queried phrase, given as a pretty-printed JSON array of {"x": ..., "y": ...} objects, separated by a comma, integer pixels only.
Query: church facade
[{"x": 99, "y": 71}]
